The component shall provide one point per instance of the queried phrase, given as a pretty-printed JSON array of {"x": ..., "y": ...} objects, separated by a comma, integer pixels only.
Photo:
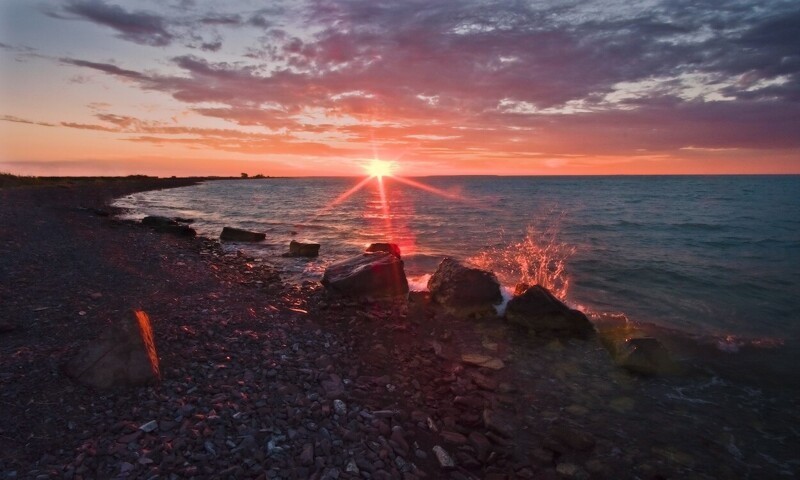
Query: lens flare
[
  {"x": 380, "y": 168},
  {"x": 147, "y": 337}
]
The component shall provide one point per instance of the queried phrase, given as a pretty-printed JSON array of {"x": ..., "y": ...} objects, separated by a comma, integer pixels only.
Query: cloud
[
  {"x": 139, "y": 27},
  {"x": 448, "y": 78},
  {"x": 14, "y": 119}
]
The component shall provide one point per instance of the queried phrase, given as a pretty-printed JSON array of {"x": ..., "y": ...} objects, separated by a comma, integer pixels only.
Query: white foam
[
  {"x": 507, "y": 293},
  {"x": 419, "y": 284}
]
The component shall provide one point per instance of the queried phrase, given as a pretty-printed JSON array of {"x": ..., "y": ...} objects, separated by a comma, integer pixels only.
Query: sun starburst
[{"x": 380, "y": 168}]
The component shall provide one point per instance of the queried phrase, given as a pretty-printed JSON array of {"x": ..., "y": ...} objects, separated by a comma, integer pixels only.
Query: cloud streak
[{"x": 443, "y": 79}]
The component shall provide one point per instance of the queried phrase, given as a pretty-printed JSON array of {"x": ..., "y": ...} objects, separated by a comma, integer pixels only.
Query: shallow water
[{"x": 710, "y": 263}]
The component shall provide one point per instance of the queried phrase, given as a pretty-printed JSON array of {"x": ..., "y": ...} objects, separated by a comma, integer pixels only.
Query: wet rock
[
  {"x": 117, "y": 358},
  {"x": 302, "y": 249},
  {"x": 158, "y": 221},
  {"x": 538, "y": 310},
  {"x": 464, "y": 291},
  {"x": 392, "y": 248},
  {"x": 445, "y": 460},
  {"x": 232, "y": 234},
  {"x": 179, "y": 230},
  {"x": 378, "y": 274},
  {"x": 645, "y": 356},
  {"x": 480, "y": 360}
]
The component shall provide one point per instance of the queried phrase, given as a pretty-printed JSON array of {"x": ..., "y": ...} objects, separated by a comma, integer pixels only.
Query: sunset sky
[{"x": 184, "y": 87}]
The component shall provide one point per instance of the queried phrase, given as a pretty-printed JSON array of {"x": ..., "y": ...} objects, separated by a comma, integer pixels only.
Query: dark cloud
[{"x": 139, "y": 27}]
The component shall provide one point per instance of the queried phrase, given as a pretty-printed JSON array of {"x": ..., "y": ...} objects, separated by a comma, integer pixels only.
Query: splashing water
[{"x": 539, "y": 259}]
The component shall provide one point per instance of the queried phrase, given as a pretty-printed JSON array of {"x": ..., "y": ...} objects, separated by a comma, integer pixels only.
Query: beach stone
[
  {"x": 7, "y": 325},
  {"x": 482, "y": 445},
  {"x": 445, "y": 460},
  {"x": 498, "y": 422},
  {"x": 480, "y": 360},
  {"x": 378, "y": 274},
  {"x": 179, "y": 230},
  {"x": 158, "y": 221},
  {"x": 464, "y": 291},
  {"x": 392, "y": 248},
  {"x": 117, "y": 358},
  {"x": 573, "y": 438},
  {"x": 238, "y": 235},
  {"x": 538, "y": 310},
  {"x": 645, "y": 356},
  {"x": 303, "y": 249}
]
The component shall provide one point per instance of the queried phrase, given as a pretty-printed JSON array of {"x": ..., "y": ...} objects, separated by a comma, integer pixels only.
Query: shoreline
[{"x": 256, "y": 363}]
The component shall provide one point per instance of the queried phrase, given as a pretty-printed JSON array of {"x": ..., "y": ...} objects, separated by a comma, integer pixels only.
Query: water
[{"x": 710, "y": 262}]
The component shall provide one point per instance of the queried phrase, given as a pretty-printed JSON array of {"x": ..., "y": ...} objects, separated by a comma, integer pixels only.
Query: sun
[{"x": 379, "y": 168}]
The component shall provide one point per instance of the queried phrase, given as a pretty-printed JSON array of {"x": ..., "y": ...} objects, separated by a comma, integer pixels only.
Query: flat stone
[
  {"x": 444, "y": 458},
  {"x": 481, "y": 360},
  {"x": 149, "y": 426},
  {"x": 339, "y": 408},
  {"x": 453, "y": 437}
]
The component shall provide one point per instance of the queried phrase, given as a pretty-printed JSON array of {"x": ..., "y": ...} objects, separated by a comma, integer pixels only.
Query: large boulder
[
  {"x": 119, "y": 357},
  {"x": 645, "y": 356},
  {"x": 392, "y": 248},
  {"x": 465, "y": 291},
  {"x": 302, "y": 249},
  {"x": 538, "y": 310},
  {"x": 232, "y": 234},
  {"x": 378, "y": 274}
]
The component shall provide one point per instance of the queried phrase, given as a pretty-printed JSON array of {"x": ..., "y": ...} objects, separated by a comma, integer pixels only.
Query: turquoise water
[{"x": 713, "y": 259}]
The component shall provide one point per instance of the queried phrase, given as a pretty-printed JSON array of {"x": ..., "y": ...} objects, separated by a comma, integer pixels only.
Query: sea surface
[{"x": 709, "y": 263}]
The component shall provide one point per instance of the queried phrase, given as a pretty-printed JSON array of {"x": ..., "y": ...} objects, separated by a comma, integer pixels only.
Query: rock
[
  {"x": 573, "y": 438},
  {"x": 453, "y": 437},
  {"x": 445, "y": 460},
  {"x": 646, "y": 356},
  {"x": 541, "y": 312},
  {"x": 570, "y": 470},
  {"x": 7, "y": 326},
  {"x": 158, "y": 221},
  {"x": 482, "y": 445},
  {"x": 339, "y": 408},
  {"x": 480, "y": 360},
  {"x": 302, "y": 249},
  {"x": 179, "y": 230},
  {"x": 378, "y": 274},
  {"x": 392, "y": 248},
  {"x": 498, "y": 422},
  {"x": 232, "y": 234},
  {"x": 464, "y": 291},
  {"x": 118, "y": 357},
  {"x": 149, "y": 426},
  {"x": 307, "y": 455}
]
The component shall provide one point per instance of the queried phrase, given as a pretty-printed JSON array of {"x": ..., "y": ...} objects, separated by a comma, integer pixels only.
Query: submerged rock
[
  {"x": 392, "y": 248},
  {"x": 238, "y": 235},
  {"x": 538, "y": 310},
  {"x": 168, "y": 225},
  {"x": 464, "y": 291},
  {"x": 644, "y": 355},
  {"x": 302, "y": 249},
  {"x": 117, "y": 358},
  {"x": 378, "y": 274}
]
